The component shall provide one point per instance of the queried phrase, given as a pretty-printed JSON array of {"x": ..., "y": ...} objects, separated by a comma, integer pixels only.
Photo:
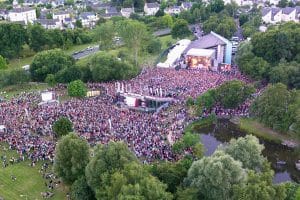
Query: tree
[
  {"x": 133, "y": 33},
  {"x": 134, "y": 182},
  {"x": 232, "y": 93},
  {"x": 259, "y": 185},
  {"x": 13, "y": 77},
  {"x": 247, "y": 150},
  {"x": 71, "y": 158},
  {"x": 105, "y": 67},
  {"x": 77, "y": 89},
  {"x": 282, "y": 3},
  {"x": 62, "y": 126},
  {"x": 180, "y": 29},
  {"x": 67, "y": 75},
  {"x": 255, "y": 67},
  {"x": 222, "y": 25},
  {"x": 3, "y": 64},
  {"x": 243, "y": 18},
  {"x": 278, "y": 115},
  {"x": 12, "y": 37},
  {"x": 81, "y": 191},
  {"x": 167, "y": 21},
  {"x": 214, "y": 177},
  {"x": 216, "y": 5},
  {"x": 232, "y": 8},
  {"x": 37, "y": 37},
  {"x": 49, "y": 62},
  {"x": 107, "y": 160},
  {"x": 104, "y": 33},
  {"x": 78, "y": 23}
]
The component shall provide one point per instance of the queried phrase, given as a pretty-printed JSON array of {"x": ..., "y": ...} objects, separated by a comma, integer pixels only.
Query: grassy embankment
[
  {"x": 253, "y": 127},
  {"x": 201, "y": 123},
  {"x": 29, "y": 183}
]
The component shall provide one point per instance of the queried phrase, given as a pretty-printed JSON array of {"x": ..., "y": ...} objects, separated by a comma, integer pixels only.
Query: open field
[{"x": 29, "y": 182}]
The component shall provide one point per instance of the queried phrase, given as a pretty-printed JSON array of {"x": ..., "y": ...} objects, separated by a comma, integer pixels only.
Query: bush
[
  {"x": 77, "y": 89},
  {"x": 62, "y": 127}
]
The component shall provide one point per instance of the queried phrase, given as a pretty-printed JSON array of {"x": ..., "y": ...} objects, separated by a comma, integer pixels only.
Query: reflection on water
[{"x": 213, "y": 136}]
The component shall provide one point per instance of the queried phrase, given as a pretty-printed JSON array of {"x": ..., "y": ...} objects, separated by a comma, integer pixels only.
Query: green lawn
[
  {"x": 165, "y": 40},
  {"x": 252, "y": 126},
  {"x": 27, "y": 55},
  {"x": 13, "y": 90},
  {"x": 29, "y": 181}
]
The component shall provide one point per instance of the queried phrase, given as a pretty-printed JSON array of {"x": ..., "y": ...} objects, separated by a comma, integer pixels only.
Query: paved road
[
  {"x": 85, "y": 52},
  {"x": 239, "y": 32}
]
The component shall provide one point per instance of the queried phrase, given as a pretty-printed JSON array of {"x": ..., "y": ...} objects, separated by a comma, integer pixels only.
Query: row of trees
[
  {"x": 229, "y": 95},
  {"x": 278, "y": 108},
  {"x": 235, "y": 171},
  {"x": 273, "y": 55},
  {"x": 14, "y": 36}
]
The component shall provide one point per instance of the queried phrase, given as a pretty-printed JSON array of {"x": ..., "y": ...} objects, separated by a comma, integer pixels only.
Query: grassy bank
[
  {"x": 29, "y": 182},
  {"x": 201, "y": 123},
  {"x": 252, "y": 126}
]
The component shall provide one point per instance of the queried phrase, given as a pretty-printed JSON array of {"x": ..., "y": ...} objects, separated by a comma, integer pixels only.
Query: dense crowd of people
[{"x": 99, "y": 120}]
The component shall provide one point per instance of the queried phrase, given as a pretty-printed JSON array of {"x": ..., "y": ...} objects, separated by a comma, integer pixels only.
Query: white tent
[{"x": 201, "y": 52}]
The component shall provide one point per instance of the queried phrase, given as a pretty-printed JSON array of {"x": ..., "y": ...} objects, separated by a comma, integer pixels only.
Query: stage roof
[{"x": 200, "y": 52}]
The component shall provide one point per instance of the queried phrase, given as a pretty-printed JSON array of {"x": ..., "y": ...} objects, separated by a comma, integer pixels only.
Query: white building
[
  {"x": 278, "y": 15},
  {"x": 28, "y": 15},
  {"x": 49, "y": 23},
  {"x": 186, "y": 5},
  {"x": 88, "y": 19},
  {"x": 173, "y": 10},
  {"x": 151, "y": 8},
  {"x": 61, "y": 16},
  {"x": 289, "y": 14},
  {"x": 126, "y": 12}
]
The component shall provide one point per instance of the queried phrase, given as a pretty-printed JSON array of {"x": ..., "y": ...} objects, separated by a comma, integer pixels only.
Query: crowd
[{"x": 99, "y": 120}]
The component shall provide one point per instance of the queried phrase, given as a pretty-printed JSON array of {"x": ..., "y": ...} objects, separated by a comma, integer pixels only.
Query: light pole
[{"x": 24, "y": 195}]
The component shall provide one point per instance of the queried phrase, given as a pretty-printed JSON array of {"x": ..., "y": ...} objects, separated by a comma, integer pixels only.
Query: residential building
[
  {"x": 151, "y": 8},
  {"x": 88, "y": 19},
  {"x": 49, "y": 23},
  {"x": 289, "y": 14},
  {"x": 28, "y": 15},
  {"x": 173, "y": 10},
  {"x": 3, "y": 14},
  {"x": 126, "y": 12},
  {"x": 61, "y": 16},
  {"x": 186, "y": 5}
]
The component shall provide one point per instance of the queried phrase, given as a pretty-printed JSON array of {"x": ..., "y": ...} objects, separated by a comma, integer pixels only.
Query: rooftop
[{"x": 152, "y": 5}]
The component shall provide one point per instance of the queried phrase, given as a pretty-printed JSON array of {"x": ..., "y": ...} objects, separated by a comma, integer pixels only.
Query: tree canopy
[
  {"x": 62, "y": 127},
  {"x": 71, "y": 158},
  {"x": 180, "y": 29},
  {"x": 77, "y": 89}
]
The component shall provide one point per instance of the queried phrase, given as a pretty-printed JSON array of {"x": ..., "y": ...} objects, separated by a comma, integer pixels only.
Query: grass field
[
  {"x": 252, "y": 126},
  {"x": 29, "y": 183},
  {"x": 27, "y": 55},
  {"x": 10, "y": 91}
]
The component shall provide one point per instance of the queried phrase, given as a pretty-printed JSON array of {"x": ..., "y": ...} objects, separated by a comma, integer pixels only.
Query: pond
[{"x": 282, "y": 158}]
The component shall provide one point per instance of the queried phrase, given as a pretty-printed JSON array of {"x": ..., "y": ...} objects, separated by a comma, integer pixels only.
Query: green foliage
[
  {"x": 105, "y": 67},
  {"x": 71, "y": 158},
  {"x": 206, "y": 100},
  {"x": 49, "y": 62},
  {"x": 243, "y": 18},
  {"x": 133, "y": 33},
  {"x": 233, "y": 93},
  {"x": 189, "y": 102},
  {"x": 180, "y": 29},
  {"x": 154, "y": 46},
  {"x": 37, "y": 37},
  {"x": 81, "y": 191},
  {"x": 62, "y": 126},
  {"x": 189, "y": 193},
  {"x": 104, "y": 33},
  {"x": 279, "y": 115},
  {"x": 133, "y": 182},
  {"x": 247, "y": 150},
  {"x": 13, "y": 77},
  {"x": 171, "y": 174},
  {"x": 77, "y": 89},
  {"x": 50, "y": 80},
  {"x": 216, "y": 5},
  {"x": 291, "y": 189},
  {"x": 3, "y": 64},
  {"x": 259, "y": 186},
  {"x": 12, "y": 38},
  {"x": 215, "y": 176},
  {"x": 69, "y": 74},
  {"x": 107, "y": 160},
  {"x": 222, "y": 25}
]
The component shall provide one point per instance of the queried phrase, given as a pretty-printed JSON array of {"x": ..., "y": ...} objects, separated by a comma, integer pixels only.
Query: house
[
  {"x": 61, "y": 16},
  {"x": 126, "y": 12},
  {"x": 297, "y": 12},
  {"x": 186, "y": 5},
  {"x": 151, "y": 8},
  {"x": 57, "y": 3},
  {"x": 3, "y": 14},
  {"x": 266, "y": 15},
  {"x": 26, "y": 14},
  {"x": 289, "y": 14},
  {"x": 111, "y": 10},
  {"x": 173, "y": 10},
  {"x": 271, "y": 15},
  {"x": 99, "y": 6},
  {"x": 88, "y": 19},
  {"x": 49, "y": 23}
]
